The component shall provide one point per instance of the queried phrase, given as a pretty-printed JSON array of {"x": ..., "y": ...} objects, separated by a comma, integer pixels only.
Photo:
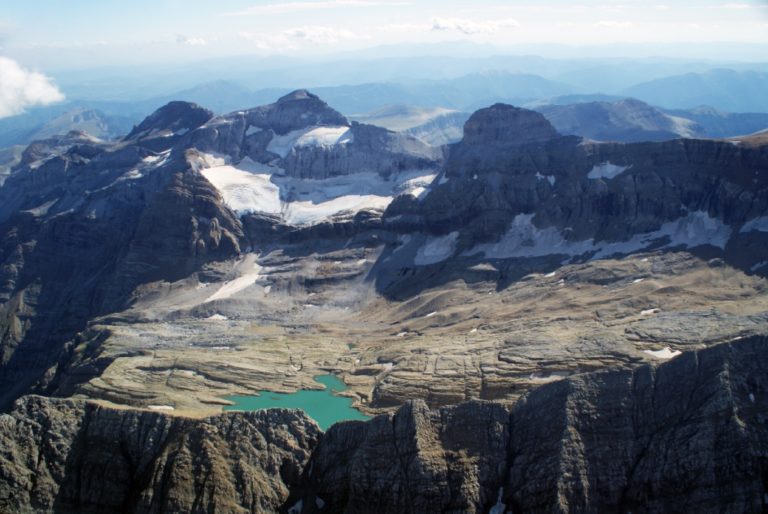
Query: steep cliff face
[
  {"x": 84, "y": 224},
  {"x": 514, "y": 189},
  {"x": 689, "y": 435},
  {"x": 65, "y": 456}
]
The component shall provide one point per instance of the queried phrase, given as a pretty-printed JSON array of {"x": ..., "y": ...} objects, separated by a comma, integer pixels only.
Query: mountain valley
[{"x": 453, "y": 289}]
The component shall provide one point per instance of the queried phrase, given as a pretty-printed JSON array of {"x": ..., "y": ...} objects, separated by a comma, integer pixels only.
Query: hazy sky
[{"x": 81, "y": 33}]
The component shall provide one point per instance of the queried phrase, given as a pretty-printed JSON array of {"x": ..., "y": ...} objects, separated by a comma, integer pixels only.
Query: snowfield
[
  {"x": 436, "y": 249},
  {"x": 524, "y": 239},
  {"x": 250, "y": 187},
  {"x": 316, "y": 136}
]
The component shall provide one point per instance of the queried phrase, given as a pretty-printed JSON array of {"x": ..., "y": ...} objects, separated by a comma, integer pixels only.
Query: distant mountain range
[
  {"x": 729, "y": 90},
  {"x": 713, "y": 103},
  {"x": 60, "y": 119},
  {"x": 624, "y": 120}
]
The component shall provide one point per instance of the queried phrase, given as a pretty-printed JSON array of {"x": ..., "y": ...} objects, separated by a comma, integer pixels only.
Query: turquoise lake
[{"x": 324, "y": 406}]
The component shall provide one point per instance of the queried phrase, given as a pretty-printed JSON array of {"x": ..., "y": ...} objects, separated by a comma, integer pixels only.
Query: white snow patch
[
  {"x": 648, "y": 312},
  {"x": 306, "y": 213},
  {"x": 473, "y": 331},
  {"x": 759, "y": 224},
  {"x": 637, "y": 280},
  {"x": 664, "y": 353},
  {"x": 267, "y": 289},
  {"x": 187, "y": 373},
  {"x": 247, "y": 187},
  {"x": 431, "y": 314},
  {"x": 217, "y": 317},
  {"x": 548, "y": 178},
  {"x": 153, "y": 159},
  {"x": 550, "y": 274},
  {"x": 554, "y": 376},
  {"x": 233, "y": 287},
  {"x": 161, "y": 407},
  {"x": 417, "y": 186},
  {"x": 499, "y": 508},
  {"x": 436, "y": 249},
  {"x": 42, "y": 210},
  {"x": 316, "y": 136},
  {"x": 402, "y": 334},
  {"x": 606, "y": 170},
  {"x": 752, "y": 397},
  {"x": 758, "y": 265},
  {"x": 387, "y": 365},
  {"x": 523, "y": 239},
  {"x": 131, "y": 175},
  {"x": 319, "y": 502},
  {"x": 219, "y": 348},
  {"x": 253, "y": 130}
]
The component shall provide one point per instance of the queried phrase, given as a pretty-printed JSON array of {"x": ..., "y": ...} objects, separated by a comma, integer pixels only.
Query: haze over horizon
[
  {"x": 80, "y": 34},
  {"x": 140, "y": 50}
]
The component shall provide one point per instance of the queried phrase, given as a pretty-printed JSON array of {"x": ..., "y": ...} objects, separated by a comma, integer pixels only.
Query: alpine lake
[{"x": 324, "y": 406}]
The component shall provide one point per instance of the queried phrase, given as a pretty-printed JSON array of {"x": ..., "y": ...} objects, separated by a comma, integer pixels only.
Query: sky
[
  {"x": 80, "y": 33},
  {"x": 43, "y": 37}
]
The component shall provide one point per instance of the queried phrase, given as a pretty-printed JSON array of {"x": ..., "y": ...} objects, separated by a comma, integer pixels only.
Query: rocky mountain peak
[
  {"x": 174, "y": 117},
  {"x": 507, "y": 125},
  {"x": 299, "y": 94},
  {"x": 295, "y": 111}
]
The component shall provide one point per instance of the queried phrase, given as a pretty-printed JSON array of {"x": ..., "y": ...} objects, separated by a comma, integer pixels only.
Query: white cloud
[
  {"x": 21, "y": 88},
  {"x": 609, "y": 24},
  {"x": 191, "y": 41},
  {"x": 473, "y": 27},
  {"x": 318, "y": 34},
  {"x": 405, "y": 27},
  {"x": 287, "y": 7},
  {"x": 267, "y": 42}
]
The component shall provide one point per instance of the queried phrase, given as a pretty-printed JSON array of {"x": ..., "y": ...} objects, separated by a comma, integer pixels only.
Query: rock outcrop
[
  {"x": 513, "y": 189},
  {"x": 689, "y": 435},
  {"x": 503, "y": 124},
  {"x": 172, "y": 118},
  {"x": 85, "y": 223},
  {"x": 71, "y": 457}
]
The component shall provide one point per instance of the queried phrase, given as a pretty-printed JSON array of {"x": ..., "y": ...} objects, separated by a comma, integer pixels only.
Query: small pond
[{"x": 324, "y": 406}]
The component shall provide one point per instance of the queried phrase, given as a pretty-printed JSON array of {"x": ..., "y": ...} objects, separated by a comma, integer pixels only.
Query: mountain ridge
[{"x": 274, "y": 199}]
